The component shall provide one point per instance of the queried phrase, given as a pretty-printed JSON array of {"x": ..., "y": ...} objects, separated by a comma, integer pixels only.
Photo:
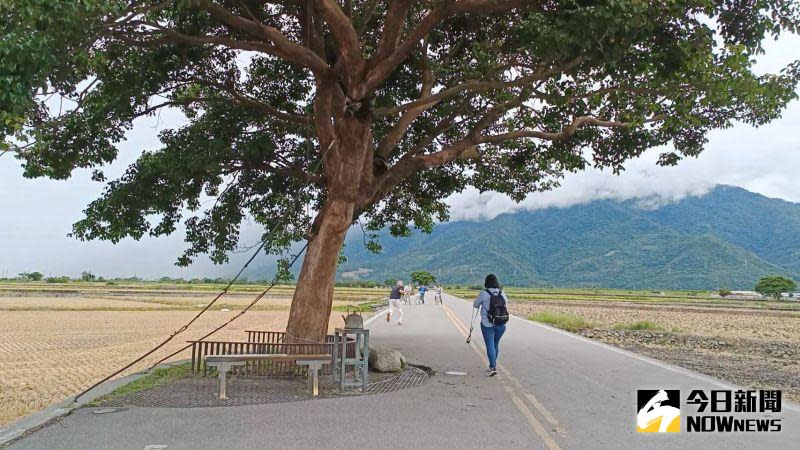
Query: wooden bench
[{"x": 224, "y": 363}]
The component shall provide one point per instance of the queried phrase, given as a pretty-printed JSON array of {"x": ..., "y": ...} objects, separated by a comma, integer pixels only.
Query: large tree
[
  {"x": 775, "y": 285},
  {"x": 308, "y": 115}
]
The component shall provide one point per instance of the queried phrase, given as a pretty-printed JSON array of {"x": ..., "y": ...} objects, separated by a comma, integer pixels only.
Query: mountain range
[{"x": 729, "y": 237}]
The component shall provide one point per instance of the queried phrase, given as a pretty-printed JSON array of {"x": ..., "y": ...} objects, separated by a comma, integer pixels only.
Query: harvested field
[
  {"x": 58, "y": 353},
  {"x": 62, "y": 339},
  {"x": 72, "y": 303},
  {"x": 756, "y": 348},
  {"x": 706, "y": 321}
]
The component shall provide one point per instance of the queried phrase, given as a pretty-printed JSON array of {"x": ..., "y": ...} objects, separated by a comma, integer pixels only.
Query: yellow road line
[
  {"x": 532, "y": 398},
  {"x": 532, "y": 421},
  {"x": 534, "y": 401},
  {"x": 537, "y": 426}
]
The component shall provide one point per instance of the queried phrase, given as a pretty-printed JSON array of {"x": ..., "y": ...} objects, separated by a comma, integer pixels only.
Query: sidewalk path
[{"x": 555, "y": 390}]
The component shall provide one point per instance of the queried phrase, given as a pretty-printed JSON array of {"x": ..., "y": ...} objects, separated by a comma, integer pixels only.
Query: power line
[{"x": 186, "y": 326}]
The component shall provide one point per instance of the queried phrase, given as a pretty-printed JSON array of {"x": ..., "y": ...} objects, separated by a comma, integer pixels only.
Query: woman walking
[{"x": 494, "y": 315}]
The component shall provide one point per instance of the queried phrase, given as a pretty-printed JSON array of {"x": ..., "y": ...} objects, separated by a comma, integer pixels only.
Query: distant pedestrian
[
  {"x": 395, "y": 303},
  {"x": 438, "y": 294},
  {"x": 422, "y": 290},
  {"x": 407, "y": 295},
  {"x": 494, "y": 315}
]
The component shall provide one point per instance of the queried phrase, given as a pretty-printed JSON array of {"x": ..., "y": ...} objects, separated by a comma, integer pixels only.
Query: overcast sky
[{"x": 36, "y": 215}]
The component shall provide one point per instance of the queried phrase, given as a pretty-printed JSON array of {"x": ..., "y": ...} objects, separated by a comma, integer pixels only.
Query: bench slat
[{"x": 267, "y": 357}]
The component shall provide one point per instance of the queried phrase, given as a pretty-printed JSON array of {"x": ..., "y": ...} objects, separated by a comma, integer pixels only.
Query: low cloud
[{"x": 762, "y": 160}]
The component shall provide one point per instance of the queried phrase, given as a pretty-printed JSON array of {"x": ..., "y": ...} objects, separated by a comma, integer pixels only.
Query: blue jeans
[{"x": 491, "y": 337}]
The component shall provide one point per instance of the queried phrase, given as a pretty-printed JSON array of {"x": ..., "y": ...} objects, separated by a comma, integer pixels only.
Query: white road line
[
  {"x": 676, "y": 369},
  {"x": 377, "y": 314}
]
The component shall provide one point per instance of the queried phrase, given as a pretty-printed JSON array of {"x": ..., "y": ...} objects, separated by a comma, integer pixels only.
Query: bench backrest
[{"x": 262, "y": 357}]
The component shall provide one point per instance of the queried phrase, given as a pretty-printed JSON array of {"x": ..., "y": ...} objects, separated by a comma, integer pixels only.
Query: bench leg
[
  {"x": 315, "y": 383},
  {"x": 313, "y": 376},
  {"x": 223, "y": 381},
  {"x": 223, "y": 368}
]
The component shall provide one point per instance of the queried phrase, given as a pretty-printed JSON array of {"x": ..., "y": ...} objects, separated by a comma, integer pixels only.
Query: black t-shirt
[{"x": 396, "y": 292}]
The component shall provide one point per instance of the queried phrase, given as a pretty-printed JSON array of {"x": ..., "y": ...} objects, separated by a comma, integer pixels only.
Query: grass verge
[
  {"x": 154, "y": 379},
  {"x": 568, "y": 322},
  {"x": 640, "y": 325},
  {"x": 365, "y": 306}
]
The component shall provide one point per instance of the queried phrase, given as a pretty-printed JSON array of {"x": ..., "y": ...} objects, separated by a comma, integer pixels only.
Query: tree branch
[
  {"x": 392, "y": 28},
  {"x": 478, "y": 86},
  {"x": 345, "y": 35},
  {"x": 381, "y": 69},
  {"x": 389, "y": 142},
  {"x": 253, "y": 103},
  {"x": 283, "y": 47},
  {"x": 567, "y": 132}
]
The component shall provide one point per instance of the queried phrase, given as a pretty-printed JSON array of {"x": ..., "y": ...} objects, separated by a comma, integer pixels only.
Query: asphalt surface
[{"x": 555, "y": 390}]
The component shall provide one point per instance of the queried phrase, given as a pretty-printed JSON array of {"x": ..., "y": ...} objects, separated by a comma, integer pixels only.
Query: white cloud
[{"x": 763, "y": 160}]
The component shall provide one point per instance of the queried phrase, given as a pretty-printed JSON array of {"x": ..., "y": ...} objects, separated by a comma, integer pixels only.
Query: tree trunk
[
  {"x": 313, "y": 297},
  {"x": 347, "y": 166}
]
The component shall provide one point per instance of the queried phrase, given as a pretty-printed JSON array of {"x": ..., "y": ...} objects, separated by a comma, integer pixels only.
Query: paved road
[
  {"x": 590, "y": 390},
  {"x": 555, "y": 390}
]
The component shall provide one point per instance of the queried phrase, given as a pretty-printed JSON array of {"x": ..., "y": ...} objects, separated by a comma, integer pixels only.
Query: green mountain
[{"x": 729, "y": 237}]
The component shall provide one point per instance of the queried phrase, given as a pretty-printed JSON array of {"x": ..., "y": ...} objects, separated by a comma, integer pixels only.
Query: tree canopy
[
  {"x": 31, "y": 276},
  {"x": 422, "y": 277},
  {"x": 774, "y": 286},
  {"x": 524, "y": 87},
  {"x": 305, "y": 116}
]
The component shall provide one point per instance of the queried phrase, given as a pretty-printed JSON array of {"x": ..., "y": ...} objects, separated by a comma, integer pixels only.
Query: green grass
[
  {"x": 640, "y": 325},
  {"x": 365, "y": 306},
  {"x": 568, "y": 322},
  {"x": 154, "y": 379}
]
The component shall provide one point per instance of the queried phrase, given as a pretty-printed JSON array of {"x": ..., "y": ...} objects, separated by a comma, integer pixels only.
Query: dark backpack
[{"x": 497, "y": 314}]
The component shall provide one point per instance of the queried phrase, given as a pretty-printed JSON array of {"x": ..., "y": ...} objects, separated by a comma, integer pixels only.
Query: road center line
[
  {"x": 532, "y": 398},
  {"x": 534, "y": 423}
]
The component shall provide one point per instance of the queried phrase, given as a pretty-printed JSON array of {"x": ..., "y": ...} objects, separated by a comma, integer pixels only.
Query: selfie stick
[{"x": 469, "y": 338}]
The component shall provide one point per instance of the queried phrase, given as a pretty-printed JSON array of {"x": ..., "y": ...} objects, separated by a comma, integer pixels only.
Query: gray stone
[{"x": 384, "y": 359}]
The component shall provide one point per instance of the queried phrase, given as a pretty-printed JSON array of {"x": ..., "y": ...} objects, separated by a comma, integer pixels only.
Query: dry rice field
[
  {"x": 55, "y": 345},
  {"x": 704, "y": 321}
]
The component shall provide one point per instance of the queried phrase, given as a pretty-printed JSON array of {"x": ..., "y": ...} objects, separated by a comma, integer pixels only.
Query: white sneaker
[{"x": 492, "y": 372}]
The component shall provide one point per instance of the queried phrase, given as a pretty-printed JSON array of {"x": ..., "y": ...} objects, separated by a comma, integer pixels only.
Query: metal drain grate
[{"x": 194, "y": 392}]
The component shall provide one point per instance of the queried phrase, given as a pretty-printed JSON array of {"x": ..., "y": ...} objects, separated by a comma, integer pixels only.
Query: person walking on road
[
  {"x": 422, "y": 290},
  {"x": 407, "y": 295},
  {"x": 494, "y": 316},
  {"x": 395, "y": 303}
]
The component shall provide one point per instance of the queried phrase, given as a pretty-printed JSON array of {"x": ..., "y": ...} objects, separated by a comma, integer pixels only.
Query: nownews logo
[
  {"x": 659, "y": 411},
  {"x": 722, "y": 411}
]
